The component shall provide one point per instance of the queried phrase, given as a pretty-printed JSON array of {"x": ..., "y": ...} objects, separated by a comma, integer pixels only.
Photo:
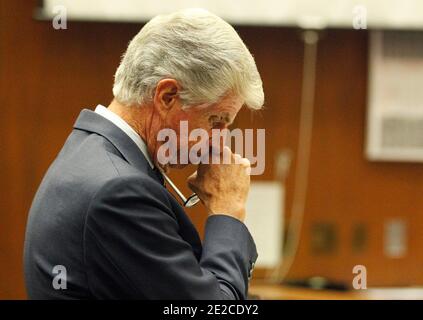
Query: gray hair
[{"x": 199, "y": 50}]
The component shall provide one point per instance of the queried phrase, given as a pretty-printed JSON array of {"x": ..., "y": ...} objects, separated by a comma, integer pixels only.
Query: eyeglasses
[{"x": 189, "y": 202}]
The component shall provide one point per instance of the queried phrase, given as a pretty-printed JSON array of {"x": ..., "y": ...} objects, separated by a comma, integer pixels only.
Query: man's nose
[{"x": 217, "y": 142}]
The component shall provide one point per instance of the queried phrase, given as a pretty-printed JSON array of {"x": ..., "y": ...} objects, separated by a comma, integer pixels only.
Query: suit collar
[
  {"x": 92, "y": 122},
  {"x": 125, "y": 127}
]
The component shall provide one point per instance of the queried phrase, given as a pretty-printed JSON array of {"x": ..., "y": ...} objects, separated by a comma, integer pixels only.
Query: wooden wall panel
[{"x": 47, "y": 76}]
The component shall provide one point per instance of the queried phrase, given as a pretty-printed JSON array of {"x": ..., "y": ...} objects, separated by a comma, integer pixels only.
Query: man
[{"x": 102, "y": 224}]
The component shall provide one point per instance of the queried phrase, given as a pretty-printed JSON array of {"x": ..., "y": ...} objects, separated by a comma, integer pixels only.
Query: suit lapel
[{"x": 92, "y": 122}]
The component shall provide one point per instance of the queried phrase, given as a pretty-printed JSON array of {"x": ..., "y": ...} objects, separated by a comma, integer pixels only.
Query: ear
[{"x": 166, "y": 95}]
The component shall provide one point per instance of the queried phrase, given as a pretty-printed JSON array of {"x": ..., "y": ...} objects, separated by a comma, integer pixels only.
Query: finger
[
  {"x": 248, "y": 170},
  {"x": 237, "y": 158},
  {"x": 192, "y": 177},
  {"x": 226, "y": 155},
  {"x": 212, "y": 155},
  {"x": 245, "y": 162},
  {"x": 218, "y": 140}
]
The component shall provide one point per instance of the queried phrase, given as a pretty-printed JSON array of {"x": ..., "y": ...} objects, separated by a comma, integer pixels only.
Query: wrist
[{"x": 237, "y": 213}]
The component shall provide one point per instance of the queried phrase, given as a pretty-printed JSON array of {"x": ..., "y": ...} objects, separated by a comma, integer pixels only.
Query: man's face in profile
[{"x": 206, "y": 117}]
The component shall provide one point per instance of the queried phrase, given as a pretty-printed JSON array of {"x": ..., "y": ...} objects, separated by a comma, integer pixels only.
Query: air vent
[
  {"x": 402, "y": 44},
  {"x": 400, "y": 133},
  {"x": 395, "y": 105}
]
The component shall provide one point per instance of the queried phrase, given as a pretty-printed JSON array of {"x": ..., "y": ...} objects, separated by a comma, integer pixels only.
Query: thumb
[{"x": 191, "y": 179}]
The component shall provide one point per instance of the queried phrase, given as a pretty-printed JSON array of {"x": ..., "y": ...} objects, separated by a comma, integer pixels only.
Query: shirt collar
[{"x": 125, "y": 127}]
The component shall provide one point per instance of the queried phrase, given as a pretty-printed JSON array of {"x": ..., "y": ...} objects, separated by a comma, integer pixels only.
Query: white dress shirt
[{"x": 125, "y": 127}]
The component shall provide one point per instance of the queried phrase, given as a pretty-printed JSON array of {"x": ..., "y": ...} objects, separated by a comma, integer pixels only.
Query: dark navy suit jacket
[{"x": 102, "y": 213}]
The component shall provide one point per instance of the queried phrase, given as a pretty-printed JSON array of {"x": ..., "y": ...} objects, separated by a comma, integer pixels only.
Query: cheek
[
  {"x": 175, "y": 120},
  {"x": 179, "y": 124},
  {"x": 183, "y": 123}
]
